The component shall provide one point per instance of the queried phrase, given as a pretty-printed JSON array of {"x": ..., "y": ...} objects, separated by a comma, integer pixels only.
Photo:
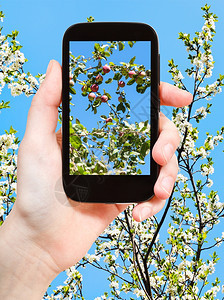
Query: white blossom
[
  {"x": 201, "y": 111},
  {"x": 139, "y": 292},
  {"x": 114, "y": 284},
  {"x": 207, "y": 170}
]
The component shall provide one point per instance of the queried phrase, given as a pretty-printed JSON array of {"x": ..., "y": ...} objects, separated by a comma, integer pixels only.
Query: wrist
[{"x": 25, "y": 269}]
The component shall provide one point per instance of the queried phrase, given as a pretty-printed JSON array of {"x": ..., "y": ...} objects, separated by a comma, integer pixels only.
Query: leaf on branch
[
  {"x": 109, "y": 80},
  {"x": 121, "y": 107},
  {"x": 72, "y": 90},
  {"x": 97, "y": 102},
  {"x": 117, "y": 76},
  {"x": 131, "y": 43},
  {"x": 131, "y": 81},
  {"x": 90, "y": 19},
  {"x": 96, "y": 46},
  {"x": 121, "y": 46},
  {"x": 75, "y": 141},
  {"x": 132, "y": 60},
  {"x": 145, "y": 148}
]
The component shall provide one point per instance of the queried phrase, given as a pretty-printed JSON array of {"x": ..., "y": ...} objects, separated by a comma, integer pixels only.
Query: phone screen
[{"x": 109, "y": 96}]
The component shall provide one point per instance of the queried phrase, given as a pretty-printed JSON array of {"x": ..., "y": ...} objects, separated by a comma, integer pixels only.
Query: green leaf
[
  {"x": 4, "y": 104},
  {"x": 108, "y": 95},
  {"x": 72, "y": 90},
  {"x": 96, "y": 46},
  {"x": 11, "y": 130},
  {"x": 127, "y": 105},
  {"x": 80, "y": 170},
  {"x": 131, "y": 81},
  {"x": 144, "y": 149},
  {"x": 140, "y": 89},
  {"x": 78, "y": 127},
  {"x": 75, "y": 141},
  {"x": 96, "y": 103},
  {"x": 90, "y": 19},
  {"x": 121, "y": 46},
  {"x": 85, "y": 139},
  {"x": 132, "y": 60},
  {"x": 117, "y": 76},
  {"x": 121, "y": 107},
  {"x": 107, "y": 54},
  {"x": 109, "y": 80},
  {"x": 90, "y": 75}
]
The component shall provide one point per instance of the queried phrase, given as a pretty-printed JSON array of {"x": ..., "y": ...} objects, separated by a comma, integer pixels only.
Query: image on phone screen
[{"x": 109, "y": 96}]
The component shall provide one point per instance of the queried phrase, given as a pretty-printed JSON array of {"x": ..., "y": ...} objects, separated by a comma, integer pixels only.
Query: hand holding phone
[{"x": 110, "y": 112}]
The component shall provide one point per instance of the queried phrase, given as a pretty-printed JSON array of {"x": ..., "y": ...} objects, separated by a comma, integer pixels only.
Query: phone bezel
[{"x": 110, "y": 188}]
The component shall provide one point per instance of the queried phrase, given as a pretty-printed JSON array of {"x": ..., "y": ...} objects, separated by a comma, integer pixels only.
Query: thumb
[{"x": 43, "y": 113}]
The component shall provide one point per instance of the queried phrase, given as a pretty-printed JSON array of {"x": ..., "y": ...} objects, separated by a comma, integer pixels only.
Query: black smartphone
[{"x": 110, "y": 110}]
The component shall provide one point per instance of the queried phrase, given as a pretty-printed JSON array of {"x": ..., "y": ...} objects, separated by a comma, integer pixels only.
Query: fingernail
[
  {"x": 50, "y": 65},
  {"x": 167, "y": 184},
  {"x": 168, "y": 152},
  {"x": 145, "y": 213}
]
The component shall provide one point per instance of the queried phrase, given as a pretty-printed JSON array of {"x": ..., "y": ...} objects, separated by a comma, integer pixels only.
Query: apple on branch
[
  {"x": 106, "y": 69},
  {"x": 91, "y": 96},
  {"x": 99, "y": 78},
  {"x": 131, "y": 73},
  {"x": 104, "y": 98},
  {"x": 121, "y": 83},
  {"x": 108, "y": 120},
  {"x": 94, "y": 88}
]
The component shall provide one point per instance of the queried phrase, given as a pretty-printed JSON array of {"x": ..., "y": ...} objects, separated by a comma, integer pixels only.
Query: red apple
[
  {"x": 120, "y": 99},
  {"x": 104, "y": 98},
  {"x": 94, "y": 87},
  {"x": 121, "y": 83},
  {"x": 131, "y": 74},
  {"x": 91, "y": 96},
  {"x": 121, "y": 133},
  {"x": 71, "y": 83},
  {"x": 84, "y": 88},
  {"x": 142, "y": 74},
  {"x": 108, "y": 120},
  {"x": 106, "y": 69},
  {"x": 99, "y": 78}
]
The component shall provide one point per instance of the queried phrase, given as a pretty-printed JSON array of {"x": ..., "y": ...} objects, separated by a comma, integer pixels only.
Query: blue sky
[{"x": 42, "y": 23}]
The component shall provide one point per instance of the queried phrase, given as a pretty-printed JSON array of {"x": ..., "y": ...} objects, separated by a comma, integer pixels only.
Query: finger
[
  {"x": 167, "y": 142},
  {"x": 162, "y": 190},
  {"x": 173, "y": 96},
  {"x": 167, "y": 177},
  {"x": 59, "y": 137},
  {"x": 43, "y": 114},
  {"x": 147, "y": 209}
]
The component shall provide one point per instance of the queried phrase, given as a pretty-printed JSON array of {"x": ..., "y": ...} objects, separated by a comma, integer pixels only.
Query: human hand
[{"x": 61, "y": 231}]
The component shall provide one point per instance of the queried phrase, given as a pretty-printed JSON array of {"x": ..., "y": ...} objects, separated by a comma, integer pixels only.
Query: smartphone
[{"x": 110, "y": 110}]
